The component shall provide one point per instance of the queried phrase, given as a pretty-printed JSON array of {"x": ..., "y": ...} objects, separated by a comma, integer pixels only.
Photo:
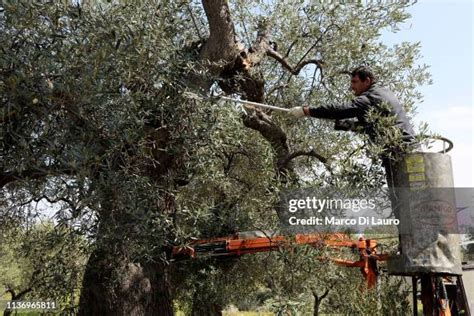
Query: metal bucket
[{"x": 423, "y": 199}]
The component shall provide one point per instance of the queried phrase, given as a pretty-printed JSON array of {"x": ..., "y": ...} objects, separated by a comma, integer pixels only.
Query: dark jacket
[{"x": 359, "y": 107}]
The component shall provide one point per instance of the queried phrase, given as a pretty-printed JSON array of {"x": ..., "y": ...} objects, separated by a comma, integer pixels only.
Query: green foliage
[
  {"x": 343, "y": 36},
  {"x": 91, "y": 104},
  {"x": 45, "y": 261},
  {"x": 96, "y": 99},
  {"x": 92, "y": 97},
  {"x": 390, "y": 297}
]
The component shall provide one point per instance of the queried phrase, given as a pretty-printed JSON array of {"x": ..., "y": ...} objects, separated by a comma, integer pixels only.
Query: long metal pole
[
  {"x": 415, "y": 294},
  {"x": 427, "y": 294},
  {"x": 260, "y": 105}
]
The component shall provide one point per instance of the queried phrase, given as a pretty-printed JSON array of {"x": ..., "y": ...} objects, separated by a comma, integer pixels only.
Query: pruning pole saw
[{"x": 244, "y": 102}]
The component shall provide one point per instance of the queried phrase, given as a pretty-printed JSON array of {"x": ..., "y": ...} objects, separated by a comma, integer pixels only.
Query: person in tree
[{"x": 369, "y": 96}]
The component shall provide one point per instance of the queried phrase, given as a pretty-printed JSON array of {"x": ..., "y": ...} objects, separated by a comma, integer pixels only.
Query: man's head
[{"x": 361, "y": 80}]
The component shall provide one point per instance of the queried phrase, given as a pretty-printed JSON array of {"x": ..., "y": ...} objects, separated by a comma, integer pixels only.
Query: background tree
[
  {"x": 42, "y": 262},
  {"x": 96, "y": 122}
]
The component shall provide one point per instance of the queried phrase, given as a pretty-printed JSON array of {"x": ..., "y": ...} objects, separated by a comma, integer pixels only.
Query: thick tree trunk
[
  {"x": 115, "y": 282},
  {"x": 114, "y": 286}
]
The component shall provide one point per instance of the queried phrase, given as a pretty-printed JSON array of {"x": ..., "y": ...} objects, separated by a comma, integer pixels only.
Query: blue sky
[{"x": 445, "y": 30}]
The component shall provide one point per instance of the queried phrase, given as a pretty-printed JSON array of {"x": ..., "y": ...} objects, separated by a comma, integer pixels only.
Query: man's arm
[{"x": 357, "y": 107}]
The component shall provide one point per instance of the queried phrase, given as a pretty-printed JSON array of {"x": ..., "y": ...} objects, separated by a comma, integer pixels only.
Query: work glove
[{"x": 297, "y": 112}]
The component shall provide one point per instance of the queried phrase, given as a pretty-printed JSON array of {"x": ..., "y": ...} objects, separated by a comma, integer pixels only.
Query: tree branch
[
  {"x": 295, "y": 70},
  {"x": 22, "y": 293},
  {"x": 276, "y": 88},
  {"x": 19, "y": 295},
  {"x": 12, "y": 292},
  {"x": 234, "y": 67},
  {"x": 326, "y": 292},
  {"x": 34, "y": 173},
  {"x": 195, "y": 24},
  {"x": 311, "y": 153},
  {"x": 261, "y": 45},
  {"x": 221, "y": 44},
  {"x": 262, "y": 123}
]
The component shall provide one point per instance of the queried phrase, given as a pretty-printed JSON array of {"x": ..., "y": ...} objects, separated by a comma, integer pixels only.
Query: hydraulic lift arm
[{"x": 254, "y": 242}]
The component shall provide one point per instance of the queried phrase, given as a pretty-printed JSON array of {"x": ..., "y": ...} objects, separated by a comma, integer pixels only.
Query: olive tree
[{"x": 97, "y": 121}]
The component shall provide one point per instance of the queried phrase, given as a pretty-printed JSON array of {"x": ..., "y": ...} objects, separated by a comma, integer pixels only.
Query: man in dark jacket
[{"x": 369, "y": 96}]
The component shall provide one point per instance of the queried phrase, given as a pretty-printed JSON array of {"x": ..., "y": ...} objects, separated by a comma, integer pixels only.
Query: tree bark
[
  {"x": 221, "y": 46},
  {"x": 113, "y": 285},
  {"x": 115, "y": 282}
]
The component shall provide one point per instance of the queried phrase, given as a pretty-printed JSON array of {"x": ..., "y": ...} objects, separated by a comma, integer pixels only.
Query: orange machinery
[
  {"x": 261, "y": 241},
  {"x": 264, "y": 241}
]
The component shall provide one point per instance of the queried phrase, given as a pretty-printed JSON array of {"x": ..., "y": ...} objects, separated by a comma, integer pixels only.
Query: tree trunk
[
  {"x": 316, "y": 306},
  {"x": 113, "y": 285},
  {"x": 318, "y": 300}
]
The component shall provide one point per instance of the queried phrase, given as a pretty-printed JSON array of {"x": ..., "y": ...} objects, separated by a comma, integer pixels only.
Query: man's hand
[{"x": 297, "y": 112}]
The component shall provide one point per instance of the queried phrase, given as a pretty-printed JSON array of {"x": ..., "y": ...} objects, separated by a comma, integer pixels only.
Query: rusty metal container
[{"x": 423, "y": 199}]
